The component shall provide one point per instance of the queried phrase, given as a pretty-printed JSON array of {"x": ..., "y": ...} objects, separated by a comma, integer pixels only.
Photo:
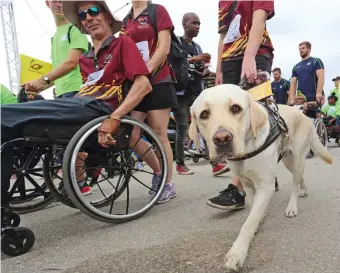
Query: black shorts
[
  {"x": 232, "y": 69},
  {"x": 162, "y": 96}
]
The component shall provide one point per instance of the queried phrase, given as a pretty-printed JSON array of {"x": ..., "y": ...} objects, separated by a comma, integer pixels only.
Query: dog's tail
[{"x": 319, "y": 149}]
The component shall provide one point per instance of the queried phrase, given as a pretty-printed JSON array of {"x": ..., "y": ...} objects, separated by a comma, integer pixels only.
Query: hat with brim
[
  {"x": 71, "y": 13},
  {"x": 336, "y": 79}
]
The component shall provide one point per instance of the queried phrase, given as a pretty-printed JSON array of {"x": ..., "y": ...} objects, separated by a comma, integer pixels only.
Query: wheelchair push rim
[
  {"x": 321, "y": 131},
  {"x": 70, "y": 176}
]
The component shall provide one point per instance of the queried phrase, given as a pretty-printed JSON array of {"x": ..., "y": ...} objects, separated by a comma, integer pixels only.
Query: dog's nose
[{"x": 222, "y": 137}]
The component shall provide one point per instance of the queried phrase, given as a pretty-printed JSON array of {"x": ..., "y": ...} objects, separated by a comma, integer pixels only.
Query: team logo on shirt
[
  {"x": 107, "y": 58},
  {"x": 143, "y": 22}
]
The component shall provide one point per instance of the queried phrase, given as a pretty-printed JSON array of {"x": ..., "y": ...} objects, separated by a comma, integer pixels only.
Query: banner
[{"x": 32, "y": 69}]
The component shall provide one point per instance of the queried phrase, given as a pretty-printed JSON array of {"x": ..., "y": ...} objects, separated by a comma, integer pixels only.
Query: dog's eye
[
  {"x": 205, "y": 114},
  {"x": 235, "y": 109}
]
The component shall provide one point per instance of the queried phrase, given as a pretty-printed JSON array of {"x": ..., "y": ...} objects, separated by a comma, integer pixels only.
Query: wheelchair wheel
[
  {"x": 321, "y": 131},
  {"x": 28, "y": 192},
  {"x": 53, "y": 178},
  {"x": 117, "y": 163},
  {"x": 17, "y": 241}
]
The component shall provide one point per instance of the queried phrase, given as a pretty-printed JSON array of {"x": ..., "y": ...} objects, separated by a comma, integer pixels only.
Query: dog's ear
[
  {"x": 193, "y": 130},
  {"x": 257, "y": 116}
]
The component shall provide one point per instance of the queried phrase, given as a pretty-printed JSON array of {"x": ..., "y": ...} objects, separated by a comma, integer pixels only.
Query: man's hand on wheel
[{"x": 106, "y": 130}]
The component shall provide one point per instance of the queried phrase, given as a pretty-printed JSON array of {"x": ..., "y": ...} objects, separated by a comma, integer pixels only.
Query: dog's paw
[
  {"x": 303, "y": 193},
  {"x": 291, "y": 211},
  {"x": 234, "y": 260}
]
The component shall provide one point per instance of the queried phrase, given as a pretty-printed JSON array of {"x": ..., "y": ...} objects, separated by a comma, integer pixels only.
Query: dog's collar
[{"x": 277, "y": 127}]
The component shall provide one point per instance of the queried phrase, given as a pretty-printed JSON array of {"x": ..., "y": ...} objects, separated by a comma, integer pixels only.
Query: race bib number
[
  {"x": 144, "y": 50},
  {"x": 94, "y": 77},
  {"x": 233, "y": 33}
]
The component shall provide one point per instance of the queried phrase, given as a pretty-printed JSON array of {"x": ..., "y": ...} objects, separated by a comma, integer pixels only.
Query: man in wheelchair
[{"x": 108, "y": 69}]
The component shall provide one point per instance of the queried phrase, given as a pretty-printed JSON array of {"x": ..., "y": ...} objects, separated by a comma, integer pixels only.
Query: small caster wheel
[
  {"x": 195, "y": 159},
  {"x": 17, "y": 242},
  {"x": 15, "y": 219}
]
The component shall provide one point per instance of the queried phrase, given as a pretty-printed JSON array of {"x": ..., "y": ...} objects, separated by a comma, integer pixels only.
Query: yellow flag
[
  {"x": 32, "y": 68},
  {"x": 261, "y": 91}
]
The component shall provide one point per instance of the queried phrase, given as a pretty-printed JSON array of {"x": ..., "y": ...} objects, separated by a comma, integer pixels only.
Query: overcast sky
[{"x": 294, "y": 21}]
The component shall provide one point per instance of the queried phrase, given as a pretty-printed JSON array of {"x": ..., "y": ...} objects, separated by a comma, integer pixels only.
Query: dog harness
[{"x": 277, "y": 127}]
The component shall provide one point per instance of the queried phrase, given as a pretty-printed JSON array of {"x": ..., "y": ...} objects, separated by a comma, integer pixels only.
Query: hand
[
  {"x": 319, "y": 98},
  {"x": 206, "y": 72},
  {"x": 249, "y": 68},
  {"x": 35, "y": 86},
  {"x": 219, "y": 78},
  {"x": 106, "y": 129},
  {"x": 305, "y": 106},
  {"x": 204, "y": 57}
]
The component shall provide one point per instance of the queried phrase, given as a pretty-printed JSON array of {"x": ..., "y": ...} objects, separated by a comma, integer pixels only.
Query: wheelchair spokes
[
  {"x": 121, "y": 189},
  {"x": 28, "y": 191}
]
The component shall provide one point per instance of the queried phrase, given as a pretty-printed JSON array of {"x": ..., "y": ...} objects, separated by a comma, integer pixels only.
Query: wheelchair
[{"x": 117, "y": 182}]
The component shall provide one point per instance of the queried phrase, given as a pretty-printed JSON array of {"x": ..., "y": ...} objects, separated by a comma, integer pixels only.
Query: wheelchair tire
[
  {"x": 321, "y": 130},
  {"x": 17, "y": 241},
  {"x": 71, "y": 185}
]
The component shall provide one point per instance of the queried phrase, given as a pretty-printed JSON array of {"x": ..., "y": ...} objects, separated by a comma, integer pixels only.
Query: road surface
[{"x": 186, "y": 236}]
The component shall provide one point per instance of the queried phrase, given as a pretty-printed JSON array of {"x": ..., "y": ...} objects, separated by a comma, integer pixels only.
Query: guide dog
[{"x": 234, "y": 127}]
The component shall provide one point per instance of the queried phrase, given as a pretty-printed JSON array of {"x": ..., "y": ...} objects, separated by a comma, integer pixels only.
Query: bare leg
[
  {"x": 237, "y": 182},
  {"x": 143, "y": 148},
  {"x": 158, "y": 120}
]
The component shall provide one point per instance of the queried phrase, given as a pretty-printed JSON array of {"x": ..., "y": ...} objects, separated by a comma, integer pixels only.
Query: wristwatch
[{"x": 45, "y": 78}]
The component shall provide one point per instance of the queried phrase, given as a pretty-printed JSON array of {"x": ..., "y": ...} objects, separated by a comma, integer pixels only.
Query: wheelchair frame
[{"x": 10, "y": 230}]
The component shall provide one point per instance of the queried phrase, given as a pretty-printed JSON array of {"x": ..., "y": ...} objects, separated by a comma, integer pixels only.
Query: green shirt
[
  {"x": 7, "y": 97},
  {"x": 59, "y": 54},
  {"x": 337, "y": 94},
  {"x": 331, "y": 110}
]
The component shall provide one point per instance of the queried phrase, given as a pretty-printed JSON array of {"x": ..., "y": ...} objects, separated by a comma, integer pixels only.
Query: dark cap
[{"x": 336, "y": 79}]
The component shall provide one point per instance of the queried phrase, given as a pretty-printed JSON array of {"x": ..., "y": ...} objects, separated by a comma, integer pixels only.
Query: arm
[
  {"x": 134, "y": 70},
  {"x": 140, "y": 88},
  {"x": 164, "y": 39},
  {"x": 60, "y": 71},
  {"x": 292, "y": 91},
  {"x": 321, "y": 80},
  {"x": 256, "y": 32},
  {"x": 67, "y": 66},
  {"x": 219, "y": 76}
]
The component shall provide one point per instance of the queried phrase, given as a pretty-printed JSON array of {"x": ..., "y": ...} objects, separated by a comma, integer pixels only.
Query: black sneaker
[
  {"x": 228, "y": 199},
  {"x": 277, "y": 188}
]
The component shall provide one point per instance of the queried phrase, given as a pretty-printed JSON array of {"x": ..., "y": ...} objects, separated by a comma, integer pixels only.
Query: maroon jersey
[
  {"x": 117, "y": 60},
  {"x": 237, "y": 37},
  {"x": 141, "y": 31}
]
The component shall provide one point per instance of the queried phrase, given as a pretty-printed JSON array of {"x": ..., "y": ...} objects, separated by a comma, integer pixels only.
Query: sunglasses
[{"x": 92, "y": 11}]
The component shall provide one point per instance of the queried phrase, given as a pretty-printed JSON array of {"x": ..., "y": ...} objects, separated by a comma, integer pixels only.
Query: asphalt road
[{"x": 186, "y": 236}]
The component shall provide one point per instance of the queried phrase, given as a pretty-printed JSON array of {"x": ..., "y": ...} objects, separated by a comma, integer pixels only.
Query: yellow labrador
[{"x": 233, "y": 125}]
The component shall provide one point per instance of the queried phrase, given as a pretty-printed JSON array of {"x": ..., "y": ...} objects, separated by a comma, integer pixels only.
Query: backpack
[
  {"x": 178, "y": 57},
  {"x": 69, "y": 38}
]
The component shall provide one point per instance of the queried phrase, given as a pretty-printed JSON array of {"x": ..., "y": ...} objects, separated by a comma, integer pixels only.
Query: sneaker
[
  {"x": 228, "y": 199},
  {"x": 85, "y": 189},
  {"x": 184, "y": 170},
  {"x": 156, "y": 181},
  {"x": 220, "y": 168},
  {"x": 193, "y": 152},
  {"x": 168, "y": 193}
]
